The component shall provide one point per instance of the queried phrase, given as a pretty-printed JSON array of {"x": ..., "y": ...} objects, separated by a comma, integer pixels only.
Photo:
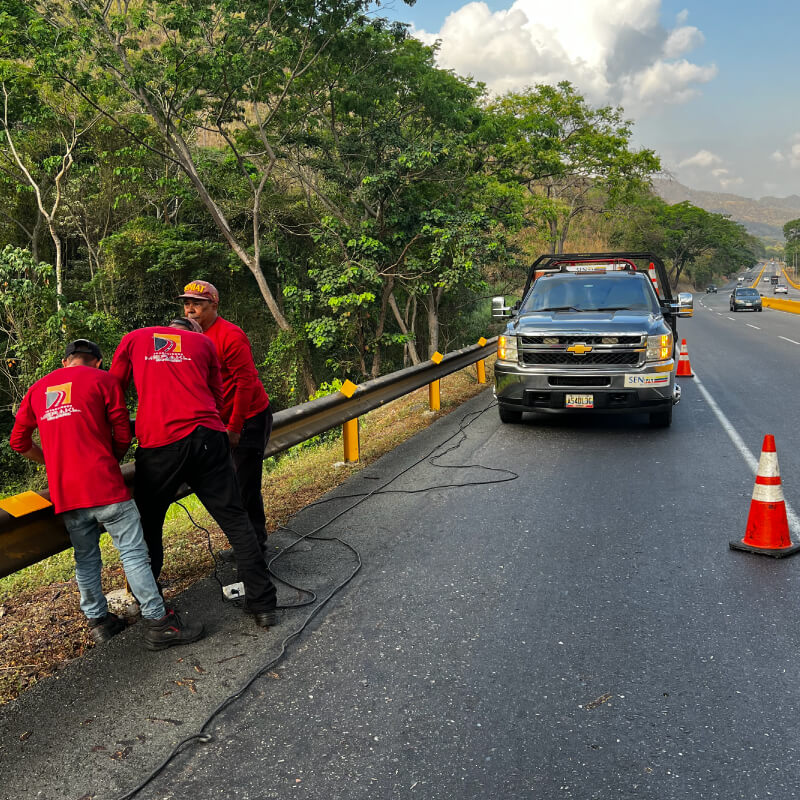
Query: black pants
[
  {"x": 248, "y": 459},
  {"x": 202, "y": 459}
]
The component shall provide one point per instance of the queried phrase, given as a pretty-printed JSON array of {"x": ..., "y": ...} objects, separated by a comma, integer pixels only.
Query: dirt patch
[{"x": 42, "y": 628}]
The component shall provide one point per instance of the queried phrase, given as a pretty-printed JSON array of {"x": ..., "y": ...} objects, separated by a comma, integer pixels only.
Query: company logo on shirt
[
  {"x": 167, "y": 342},
  {"x": 58, "y": 395},
  {"x": 58, "y": 402},
  {"x": 167, "y": 347}
]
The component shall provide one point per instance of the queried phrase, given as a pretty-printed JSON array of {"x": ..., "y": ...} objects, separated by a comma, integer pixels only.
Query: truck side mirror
[
  {"x": 685, "y": 305},
  {"x": 499, "y": 308}
]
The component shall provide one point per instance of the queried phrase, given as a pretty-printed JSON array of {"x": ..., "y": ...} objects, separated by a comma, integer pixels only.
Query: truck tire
[
  {"x": 661, "y": 419},
  {"x": 509, "y": 416}
]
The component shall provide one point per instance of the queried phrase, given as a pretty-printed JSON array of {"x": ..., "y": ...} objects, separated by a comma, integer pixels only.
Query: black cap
[
  {"x": 83, "y": 346},
  {"x": 186, "y": 322}
]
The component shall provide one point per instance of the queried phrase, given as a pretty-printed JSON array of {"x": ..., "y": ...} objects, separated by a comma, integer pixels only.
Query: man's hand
[
  {"x": 233, "y": 438},
  {"x": 34, "y": 454}
]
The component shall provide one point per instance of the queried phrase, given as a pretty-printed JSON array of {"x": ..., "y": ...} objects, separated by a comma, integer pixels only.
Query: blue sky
[{"x": 710, "y": 84}]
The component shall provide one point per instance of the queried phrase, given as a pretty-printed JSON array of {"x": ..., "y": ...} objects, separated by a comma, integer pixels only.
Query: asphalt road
[{"x": 582, "y": 631}]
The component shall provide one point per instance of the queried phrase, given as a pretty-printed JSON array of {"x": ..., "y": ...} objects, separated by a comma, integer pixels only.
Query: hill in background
[{"x": 764, "y": 218}]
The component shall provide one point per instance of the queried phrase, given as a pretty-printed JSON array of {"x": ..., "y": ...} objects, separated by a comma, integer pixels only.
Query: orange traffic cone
[
  {"x": 684, "y": 365},
  {"x": 767, "y": 526},
  {"x": 651, "y": 271}
]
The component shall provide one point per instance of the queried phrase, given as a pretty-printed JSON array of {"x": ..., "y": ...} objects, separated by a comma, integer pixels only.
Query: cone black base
[{"x": 775, "y": 552}]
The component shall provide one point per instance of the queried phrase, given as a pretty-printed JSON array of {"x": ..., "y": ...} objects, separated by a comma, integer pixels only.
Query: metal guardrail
[{"x": 30, "y": 538}]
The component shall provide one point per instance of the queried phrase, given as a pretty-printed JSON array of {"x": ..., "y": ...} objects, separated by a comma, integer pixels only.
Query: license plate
[{"x": 579, "y": 401}]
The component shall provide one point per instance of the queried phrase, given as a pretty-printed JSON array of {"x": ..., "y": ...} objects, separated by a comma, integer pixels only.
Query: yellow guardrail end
[
  {"x": 348, "y": 389},
  {"x": 26, "y": 503}
]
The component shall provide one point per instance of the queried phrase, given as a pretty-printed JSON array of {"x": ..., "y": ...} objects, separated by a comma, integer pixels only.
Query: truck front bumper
[{"x": 547, "y": 392}]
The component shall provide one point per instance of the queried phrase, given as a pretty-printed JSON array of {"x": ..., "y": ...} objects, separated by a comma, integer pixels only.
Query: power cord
[{"x": 202, "y": 735}]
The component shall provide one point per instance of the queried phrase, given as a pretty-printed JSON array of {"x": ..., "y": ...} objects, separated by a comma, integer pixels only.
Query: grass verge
[{"x": 41, "y": 626}]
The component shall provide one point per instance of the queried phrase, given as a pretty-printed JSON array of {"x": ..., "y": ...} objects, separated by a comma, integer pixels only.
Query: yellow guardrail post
[
  {"x": 434, "y": 397},
  {"x": 482, "y": 363},
  {"x": 350, "y": 428}
]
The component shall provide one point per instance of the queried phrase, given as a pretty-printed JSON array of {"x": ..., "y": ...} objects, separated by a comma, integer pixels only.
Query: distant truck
[
  {"x": 774, "y": 280},
  {"x": 594, "y": 332}
]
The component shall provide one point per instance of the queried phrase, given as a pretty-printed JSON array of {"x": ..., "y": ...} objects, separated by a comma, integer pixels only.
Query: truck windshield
[{"x": 623, "y": 292}]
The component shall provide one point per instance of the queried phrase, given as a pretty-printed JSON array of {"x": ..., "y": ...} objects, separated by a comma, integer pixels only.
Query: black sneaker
[
  {"x": 104, "y": 628},
  {"x": 170, "y": 630}
]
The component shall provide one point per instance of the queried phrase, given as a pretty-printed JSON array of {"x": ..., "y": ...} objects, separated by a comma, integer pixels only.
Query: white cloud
[
  {"x": 720, "y": 172},
  {"x": 791, "y": 154},
  {"x": 682, "y": 40},
  {"x": 702, "y": 158},
  {"x": 614, "y": 51},
  {"x": 726, "y": 183}
]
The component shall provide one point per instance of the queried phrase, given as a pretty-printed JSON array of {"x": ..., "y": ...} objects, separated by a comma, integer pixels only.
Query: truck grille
[
  {"x": 532, "y": 357},
  {"x": 566, "y": 341}
]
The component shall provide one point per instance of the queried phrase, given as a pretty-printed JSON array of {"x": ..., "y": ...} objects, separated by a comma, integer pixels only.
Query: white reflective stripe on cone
[
  {"x": 768, "y": 465},
  {"x": 768, "y": 494}
]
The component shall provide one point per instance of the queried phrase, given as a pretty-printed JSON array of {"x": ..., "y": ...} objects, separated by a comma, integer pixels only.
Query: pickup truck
[{"x": 593, "y": 332}]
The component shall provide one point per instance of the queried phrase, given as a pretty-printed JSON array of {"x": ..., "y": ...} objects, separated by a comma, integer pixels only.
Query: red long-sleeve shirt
[
  {"x": 81, "y": 416},
  {"x": 177, "y": 378},
  {"x": 244, "y": 395}
]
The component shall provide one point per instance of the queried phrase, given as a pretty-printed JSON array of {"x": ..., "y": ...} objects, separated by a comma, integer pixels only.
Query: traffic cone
[
  {"x": 684, "y": 365},
  {"x": 767, "y": 526},
  {"x": 651, "y": 271}
]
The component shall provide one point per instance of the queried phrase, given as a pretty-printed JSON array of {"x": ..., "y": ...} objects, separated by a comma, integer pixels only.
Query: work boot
[
  {"x": 170, "y": 630},
  {"x": 264, "y": 619},
  {"x": 104, "y": 628}
]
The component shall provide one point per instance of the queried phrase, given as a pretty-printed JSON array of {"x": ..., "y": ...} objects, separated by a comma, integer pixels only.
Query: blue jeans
[{"x": 122, "y": 521}]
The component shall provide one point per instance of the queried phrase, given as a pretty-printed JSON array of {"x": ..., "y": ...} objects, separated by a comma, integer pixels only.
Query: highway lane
[{"x": 581, "y": 632}]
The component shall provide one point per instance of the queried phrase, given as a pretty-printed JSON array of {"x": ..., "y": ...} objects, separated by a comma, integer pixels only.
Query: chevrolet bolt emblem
[{"x": 579, "y": 349}]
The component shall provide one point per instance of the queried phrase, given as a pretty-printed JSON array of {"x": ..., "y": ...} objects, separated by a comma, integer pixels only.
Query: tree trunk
[
  {"x": 410, "y": 346},
  {"x": 434, "y": 298}
]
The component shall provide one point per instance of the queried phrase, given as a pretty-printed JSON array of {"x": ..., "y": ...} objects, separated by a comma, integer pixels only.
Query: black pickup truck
[{"x": 593, "y": 332}]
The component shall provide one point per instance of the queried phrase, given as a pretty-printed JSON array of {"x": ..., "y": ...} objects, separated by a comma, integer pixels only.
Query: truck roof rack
[{"x": 635, "y": 260}]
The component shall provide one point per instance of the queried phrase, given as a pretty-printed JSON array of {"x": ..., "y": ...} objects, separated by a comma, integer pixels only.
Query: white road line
[
  {"x": 738, "y": 442},
  {"x": 788, "y": 340},
  {"x": 731, "y": 319},
  {"x": 719, "y": 313},
  {"x": 752, "y": 326}
]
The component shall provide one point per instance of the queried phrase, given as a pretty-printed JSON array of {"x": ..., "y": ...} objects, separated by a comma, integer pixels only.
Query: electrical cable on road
[{"x": 433, "y": 456}]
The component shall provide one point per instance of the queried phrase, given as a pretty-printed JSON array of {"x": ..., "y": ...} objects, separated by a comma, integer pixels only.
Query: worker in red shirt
[
  {"x": 182, "y": 440},
  {"x": 84, "y": 430},
  {"x": 245, "y": 408}
]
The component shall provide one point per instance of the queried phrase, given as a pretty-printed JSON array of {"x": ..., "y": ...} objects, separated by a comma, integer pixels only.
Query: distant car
[
  {"x": 766, "y": 279},
  {"x": 711, "y": 289},
  {"x": 743, "y": 298},
  {"x": 781, "y": 288}
]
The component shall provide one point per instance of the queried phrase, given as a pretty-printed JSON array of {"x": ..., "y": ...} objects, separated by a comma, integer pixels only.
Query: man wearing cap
[
  {"x": 245, "y": 406},
  {"x": 84, "y": 430},
  {"x": 182, "y": 440}
]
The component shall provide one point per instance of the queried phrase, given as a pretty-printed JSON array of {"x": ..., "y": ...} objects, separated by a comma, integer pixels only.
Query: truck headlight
[
  {"x": 659, "y": 348},
  {"x": 507, "y": 348}
]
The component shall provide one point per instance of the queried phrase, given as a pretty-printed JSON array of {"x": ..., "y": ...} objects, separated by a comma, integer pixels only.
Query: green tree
[
  {"x": 392, "y": 192},
  {"x": 222, "y": 73},
  {"x": 684, "y": 235},
  {"x": 571, "y": 158}
]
